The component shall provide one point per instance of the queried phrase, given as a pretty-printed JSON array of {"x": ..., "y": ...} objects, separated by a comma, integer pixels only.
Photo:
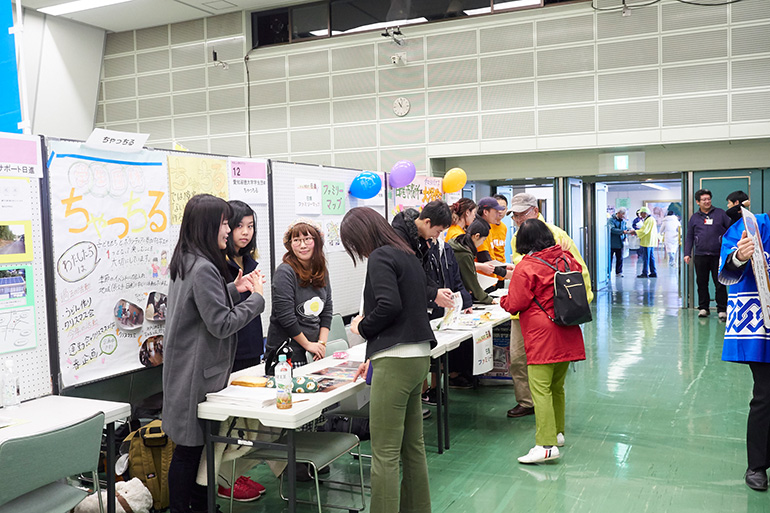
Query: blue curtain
[{"x": 10, "y": 105}]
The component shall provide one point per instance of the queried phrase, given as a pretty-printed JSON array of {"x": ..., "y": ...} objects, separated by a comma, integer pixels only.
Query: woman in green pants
[{"x": 399, "y": 339}]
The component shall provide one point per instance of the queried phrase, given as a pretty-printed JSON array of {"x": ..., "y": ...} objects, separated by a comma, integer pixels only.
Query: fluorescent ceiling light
[
  {"x": 515, "y": 3},
  {"x": 386, "y": 24},
  {"x": 655, "y": 186},
  {"x": 480, "y": 10},
  {"x": 77, "y": 6}
]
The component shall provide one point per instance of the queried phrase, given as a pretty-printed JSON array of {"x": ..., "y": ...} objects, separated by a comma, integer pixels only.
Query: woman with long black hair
[{"x": 199, "y": 348}]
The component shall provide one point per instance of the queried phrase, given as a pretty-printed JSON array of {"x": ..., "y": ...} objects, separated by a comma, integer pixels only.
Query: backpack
[
  {"x": 149, "y": 456},
  {"x": 570, "y": 300}
]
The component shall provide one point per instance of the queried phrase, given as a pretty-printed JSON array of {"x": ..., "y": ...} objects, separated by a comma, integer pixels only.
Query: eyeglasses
[
  {"x": 297, "y": 241},
  {"x": 522, "y": 215}
]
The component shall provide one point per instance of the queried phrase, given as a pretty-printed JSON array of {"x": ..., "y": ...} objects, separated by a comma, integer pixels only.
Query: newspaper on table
[{"x": 758, "y": 264}]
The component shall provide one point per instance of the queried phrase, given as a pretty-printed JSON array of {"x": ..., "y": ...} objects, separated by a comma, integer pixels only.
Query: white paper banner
[
  {"x": 307, "y": 194},
  {"x": 483, "y": 358}
]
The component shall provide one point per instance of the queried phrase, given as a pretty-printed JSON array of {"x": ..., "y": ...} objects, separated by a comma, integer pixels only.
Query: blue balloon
[{"x": 366, "y": 185}]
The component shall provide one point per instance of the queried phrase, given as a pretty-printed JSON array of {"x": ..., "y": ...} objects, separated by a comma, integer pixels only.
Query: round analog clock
[{"x": 401, "y": 106}]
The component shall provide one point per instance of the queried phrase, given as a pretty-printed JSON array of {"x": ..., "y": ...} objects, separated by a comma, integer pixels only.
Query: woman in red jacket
[{"x": 549, "y": 347}]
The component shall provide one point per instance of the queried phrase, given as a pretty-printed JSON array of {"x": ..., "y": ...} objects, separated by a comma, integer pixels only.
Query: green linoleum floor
[{"x": 655, "y": 423}]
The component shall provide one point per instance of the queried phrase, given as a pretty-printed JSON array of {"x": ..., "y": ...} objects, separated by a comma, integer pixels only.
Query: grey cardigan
[{"x": 200, "y": 342}]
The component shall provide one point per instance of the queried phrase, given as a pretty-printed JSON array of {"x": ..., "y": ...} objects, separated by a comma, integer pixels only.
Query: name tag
[{"x": 708, "y": 221}]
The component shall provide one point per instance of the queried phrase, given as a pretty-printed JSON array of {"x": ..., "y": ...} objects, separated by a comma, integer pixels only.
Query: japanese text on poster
[
  {"x": 248, "y": 181},
  {"x": 333, "y": 198},
  {"x": 307, "y": 196},
  {"x": 191, "y": 175},
  {"x": 111, "y": 251}
]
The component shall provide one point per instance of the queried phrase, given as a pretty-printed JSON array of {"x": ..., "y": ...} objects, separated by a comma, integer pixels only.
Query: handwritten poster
[
  {"x": 333, "y": 197},
  {"x": 111, "y": 219},
  {"x": 191, "y": 175},
  {"x": 21, "y": 155},
  {"x": 307, "y": 196},
  {"x": 333, "y": 241},
  {"x": 248, "y": 181},
  {"x": 417, "y": 194},
  {"x": 17, "y": 309},
  {"x": 483, "y": 357}
]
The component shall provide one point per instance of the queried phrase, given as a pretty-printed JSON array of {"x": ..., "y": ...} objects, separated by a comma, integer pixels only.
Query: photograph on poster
[
  {"x": 13, "y": 284},
  {"x": 151, "y": 352},
  {"x": 128, "y": 315},
  {"x": 156, "y": 307},
  {"x": 12, "y": 239}
]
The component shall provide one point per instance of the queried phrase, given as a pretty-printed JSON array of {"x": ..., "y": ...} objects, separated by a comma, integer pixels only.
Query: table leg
[
  {"x": 445, "y": 419},
  {"x": 211, "y": 478},
  {"x": 110, "y": 470},
  {"x": 291, "y": 470},
  {"x": 439, "y": 405}
]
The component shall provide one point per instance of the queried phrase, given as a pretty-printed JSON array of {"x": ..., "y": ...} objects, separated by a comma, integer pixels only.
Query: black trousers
[
  {"x": 618, "y": 254},
  {"x": 706, "y": 265},
  {"x": 758, "y": 426},
  {"x": 184, "y": 493}
]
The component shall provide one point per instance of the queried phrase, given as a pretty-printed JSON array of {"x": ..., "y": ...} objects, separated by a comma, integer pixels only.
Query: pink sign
[
  {"x": 242, "y": 169},
  {"x": 18, "y": 151}
]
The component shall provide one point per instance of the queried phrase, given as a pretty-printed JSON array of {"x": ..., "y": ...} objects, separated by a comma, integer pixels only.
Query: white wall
[{"x": 62, "y": 61}]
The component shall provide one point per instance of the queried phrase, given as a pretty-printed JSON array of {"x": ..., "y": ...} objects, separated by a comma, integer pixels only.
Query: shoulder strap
[
  {"x": 543, "y": 309},
  {"x": 555, "y": 267}
]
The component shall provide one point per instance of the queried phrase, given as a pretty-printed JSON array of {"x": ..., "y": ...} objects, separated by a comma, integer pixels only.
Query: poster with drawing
[
  {"x": 331, "y": 229},
  {"x": 111, "y": 217},
  {"x": 17, "y": 308}
]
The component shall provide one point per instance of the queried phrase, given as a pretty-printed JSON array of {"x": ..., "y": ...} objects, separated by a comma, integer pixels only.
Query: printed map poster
[
  {"x": 248, "y": 180},
  {"x": 110, "y": 223},
  {"x": 422, "y": 190},
  {"x": 307, "y": 196},
  {"x": 189, "y": 175},
  {"x": 17, "y": 308}
]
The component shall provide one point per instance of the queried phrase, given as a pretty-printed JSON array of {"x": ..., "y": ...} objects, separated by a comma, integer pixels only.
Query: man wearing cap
[
  {"x": 492, "y": 210},
  {"x": 704, "y": 239},
  {"x": 648, "y": 241},
  {"x": 524, "y": 206}
]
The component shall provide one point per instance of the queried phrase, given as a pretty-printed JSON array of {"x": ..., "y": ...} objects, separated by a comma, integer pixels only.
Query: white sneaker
[
  {"x": 539, "y": 454},
  {"x": 559, "y": 439},
  {"x": 703, "y": 313}
]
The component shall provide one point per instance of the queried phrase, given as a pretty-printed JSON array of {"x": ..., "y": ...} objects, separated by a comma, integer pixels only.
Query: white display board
[
  {"x": 321, "y": 193},
  {"x": 111, "y": 220},
  {"x": 23, "y": 327}
]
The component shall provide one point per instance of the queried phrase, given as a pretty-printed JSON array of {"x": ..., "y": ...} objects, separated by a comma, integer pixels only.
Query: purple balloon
[{"x": 402, "y": 174}]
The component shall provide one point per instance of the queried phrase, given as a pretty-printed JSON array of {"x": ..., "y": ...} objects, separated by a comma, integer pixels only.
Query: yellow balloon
[{"x": 454, "y": 180}]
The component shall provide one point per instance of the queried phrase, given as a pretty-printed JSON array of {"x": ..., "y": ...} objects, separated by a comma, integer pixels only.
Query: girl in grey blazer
[{"x": 200, "y": 341}]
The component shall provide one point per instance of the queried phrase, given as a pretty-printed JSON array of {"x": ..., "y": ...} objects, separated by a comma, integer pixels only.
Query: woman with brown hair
[
  {"x": 302, "y": 296},
  {"x": 463, "y": 214},
  {"x": 399, "y": 338}
]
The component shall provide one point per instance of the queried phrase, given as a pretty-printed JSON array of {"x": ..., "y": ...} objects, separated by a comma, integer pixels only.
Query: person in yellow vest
[
  {"x": 524, "y": 206},
  {"x": 648, "y": 239},
  {"x": 463, "y": 214},
  {"x": 492, "y": 209}
]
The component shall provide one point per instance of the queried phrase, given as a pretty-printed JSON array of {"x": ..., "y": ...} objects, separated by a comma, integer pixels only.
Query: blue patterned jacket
[{"x": 746, "y": 339}]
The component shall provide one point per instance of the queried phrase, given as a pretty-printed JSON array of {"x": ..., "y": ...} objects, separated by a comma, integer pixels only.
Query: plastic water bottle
[
  {"x": 11, "y": 392},
  {"x": 283, "y": 383}
]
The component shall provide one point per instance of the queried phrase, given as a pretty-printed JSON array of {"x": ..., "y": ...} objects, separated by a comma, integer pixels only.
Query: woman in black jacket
[{"x": 399, "y": 339}]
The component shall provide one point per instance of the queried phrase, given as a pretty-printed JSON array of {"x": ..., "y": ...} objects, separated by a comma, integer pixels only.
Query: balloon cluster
[{"x": 368, "y": 184}]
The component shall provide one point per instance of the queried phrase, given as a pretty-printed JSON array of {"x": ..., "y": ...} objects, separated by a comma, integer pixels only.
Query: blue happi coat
[{"x": 746, "y": 339}]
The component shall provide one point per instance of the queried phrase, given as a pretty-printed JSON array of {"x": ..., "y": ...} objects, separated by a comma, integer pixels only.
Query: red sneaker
[
  {"x": 242, "y": 492},
  {"x": 250, "y": 482}
]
